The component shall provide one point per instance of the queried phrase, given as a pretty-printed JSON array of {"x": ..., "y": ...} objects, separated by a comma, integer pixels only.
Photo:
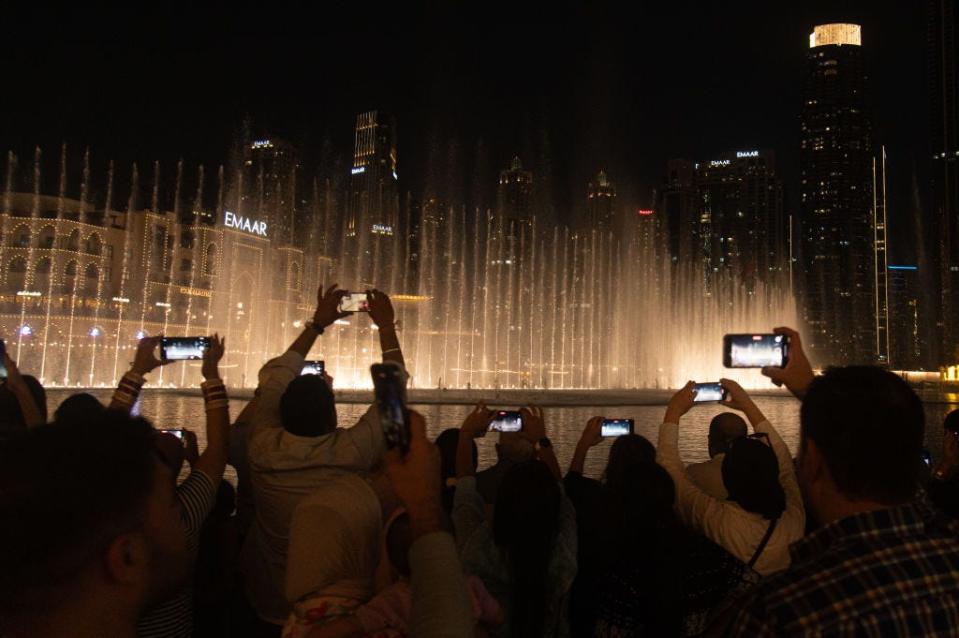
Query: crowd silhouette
[{"x": 113, "y": 526}]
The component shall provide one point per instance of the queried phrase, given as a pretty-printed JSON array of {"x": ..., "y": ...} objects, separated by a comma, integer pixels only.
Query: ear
[
  {"x": 811, "y": 462},
  {"x": 126, "y": 559}
]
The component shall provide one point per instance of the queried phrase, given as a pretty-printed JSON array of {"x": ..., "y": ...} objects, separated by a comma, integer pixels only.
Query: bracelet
[
  {"x": 216, "y": 405},
  {"x": 391, "y": 350}
]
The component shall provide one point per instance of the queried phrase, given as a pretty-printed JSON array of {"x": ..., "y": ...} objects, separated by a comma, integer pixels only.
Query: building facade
[
  {"x": 836, "y": 200},
  {"x": 601, "y": 203}
]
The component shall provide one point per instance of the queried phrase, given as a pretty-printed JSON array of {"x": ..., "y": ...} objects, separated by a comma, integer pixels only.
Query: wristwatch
[{"x": 543, "y": 443}]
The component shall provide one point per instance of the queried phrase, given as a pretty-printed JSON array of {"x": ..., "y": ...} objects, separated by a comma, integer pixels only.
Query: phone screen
[
  {"x": 506, "y": 421},
  {"x": 354, "y": 302},
  {"x": 313, "y": 367},
  {"x": 755, "y": 351},
  {"x": 388, "y": 389},
  {"x": 177, "y": 433},
  {"x": 616, "y": 427},
  {"x": 183, "y": 348},
  {"x": 3, "y": 359},
  {"x": 709, "y": 392}
]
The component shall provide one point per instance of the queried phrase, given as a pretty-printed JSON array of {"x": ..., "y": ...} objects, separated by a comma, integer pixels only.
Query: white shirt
[
  {"x": 708, "y": 476},
  {"x": 284, "y": 469},
  {"x": 725, "y": 522}
]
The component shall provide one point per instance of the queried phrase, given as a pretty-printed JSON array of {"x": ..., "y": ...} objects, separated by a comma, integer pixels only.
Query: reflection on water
[{"x": 564, "y": 424}]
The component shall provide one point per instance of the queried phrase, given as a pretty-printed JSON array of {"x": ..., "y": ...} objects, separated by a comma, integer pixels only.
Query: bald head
[
  {"x": 724, "y": 429},
  {"x": 513, "y": 447}
]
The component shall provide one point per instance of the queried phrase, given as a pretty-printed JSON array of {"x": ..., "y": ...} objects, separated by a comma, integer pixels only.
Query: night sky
[{"x": 588, "y": 87}]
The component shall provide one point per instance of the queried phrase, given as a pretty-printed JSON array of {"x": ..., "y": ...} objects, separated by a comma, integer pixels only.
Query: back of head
[
  {"x": 868, "y": 425},
  {"x": 751, "y": 476},
  {"x": 628, "y": 452},
  {"x": 514, "y": 447},
  {"x": 11, "y": 416},
  {"x": 525, "y": 524},
  {"x": 951, "y": 422},
  {"x": 447, "y": 442},
  {"x": 725, "y": 428},
  {"x": 78, "y": 408},
  {"x": 71, "y": 491},
  {"x": 639, "y": 499},
  {"x": 307, "y": 407}
]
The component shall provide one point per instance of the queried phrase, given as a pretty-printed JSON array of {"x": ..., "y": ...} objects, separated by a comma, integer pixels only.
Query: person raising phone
[
  {"x": 764, "y": 512},
  {"x": 295, "y": 446}
]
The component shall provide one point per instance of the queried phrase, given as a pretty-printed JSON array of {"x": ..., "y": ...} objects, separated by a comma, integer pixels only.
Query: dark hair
[
  {"x": 725, "y": 428},
  {"x": 71, "y": 490},
  {"x": 399, "y": 538},
  {"x": 525, "y": 522},
  {"x": 868, "y": 424},
  {"x": 307, "y": 407},
  {"x": 951, "y": 422},
  {"x": 627, "y": 452},
  {"x": 11, "y": 417},
  {"x": 751, "y": 476},
  {"x": 78, "y": 408},
  {"x": 447, "y": 442}
]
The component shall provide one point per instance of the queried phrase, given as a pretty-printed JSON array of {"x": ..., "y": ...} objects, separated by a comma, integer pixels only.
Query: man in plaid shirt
[{"x": 881, "y": 564}]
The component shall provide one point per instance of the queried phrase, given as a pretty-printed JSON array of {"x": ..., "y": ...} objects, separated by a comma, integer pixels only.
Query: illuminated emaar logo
[
  {"x": 382, "y": 229},
  {"x": 247, "y": 225},
  {"x": 262, "y": 144},
  {"x": 719, "y": 163},
  {"x": 358, "y": 169},
  {"x": 747, "y": 153}
]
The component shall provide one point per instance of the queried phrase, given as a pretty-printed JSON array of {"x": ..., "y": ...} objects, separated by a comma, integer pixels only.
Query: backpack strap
[{"x": 763, "y": 542}]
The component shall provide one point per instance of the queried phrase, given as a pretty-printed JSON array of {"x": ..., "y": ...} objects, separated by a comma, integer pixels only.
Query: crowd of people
[{"x": 112, "y": 527}]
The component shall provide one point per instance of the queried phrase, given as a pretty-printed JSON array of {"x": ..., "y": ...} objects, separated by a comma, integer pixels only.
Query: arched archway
[{"x": 94, "y": 244}]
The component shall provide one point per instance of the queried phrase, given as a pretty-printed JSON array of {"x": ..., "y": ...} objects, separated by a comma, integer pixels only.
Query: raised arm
[
  {"x": 145, "y": 361},
  {"x": 383, "y": 315},
  {"x": 534, "y": 429},
  {"x": 739, "y": 399},
  {"x": 797, "y": 374},
  {"x": 32, "y": 413},
  {"x": 441, "y": 605},
  {"x": 592, "y": 435},
  {"x": 212, "y": 461},
  {"x": 695, "y": 507},
  {"x": 474, "y": 427}
]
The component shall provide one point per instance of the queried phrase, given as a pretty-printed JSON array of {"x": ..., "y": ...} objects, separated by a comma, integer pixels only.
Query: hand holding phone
[
  {"x": 391, "y": 403},
  {"x": 313, "y": 367},
  {"x": 706, "y": 392}
]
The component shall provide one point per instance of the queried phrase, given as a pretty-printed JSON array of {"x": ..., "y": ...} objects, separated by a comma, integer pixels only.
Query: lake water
[{"x": 564, "y": 423}]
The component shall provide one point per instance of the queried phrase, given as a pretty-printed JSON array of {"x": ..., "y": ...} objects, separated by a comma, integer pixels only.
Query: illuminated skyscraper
[
  {"x": 270, "y": 188},
  {"x": 601, "y": 203},
  {"x": 836, "y": 200},
  {"x": 371, "y": 227},
  {"x": 944, "y": 122}
]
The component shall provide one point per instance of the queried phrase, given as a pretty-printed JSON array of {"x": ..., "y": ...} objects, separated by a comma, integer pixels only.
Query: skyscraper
[
  {"x": 372, "y": 225},
  {"x": 269, "y": 186},
  {"x": 726, "y": 215},
  {"x": 944, "y": 123},
  {"x": 514, "y": 199},
  {"x": 601, "y": 203},
  {"x": 905, "y": 335},
  {"x": 836, "y": 201}
]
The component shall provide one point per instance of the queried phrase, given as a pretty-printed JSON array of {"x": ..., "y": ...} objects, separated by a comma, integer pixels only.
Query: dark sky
[{"x": 597, "y": 86}]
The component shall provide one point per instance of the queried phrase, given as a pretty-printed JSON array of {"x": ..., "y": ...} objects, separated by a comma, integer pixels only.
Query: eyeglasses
[{"x": 761, "y": 436}]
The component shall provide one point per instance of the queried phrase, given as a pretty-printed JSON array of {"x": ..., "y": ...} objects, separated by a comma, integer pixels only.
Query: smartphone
[
  {"x": 755, "y": 351},
  {"x": 617, "y": 427},
  {"x": 926, "y": 457},
  {"x": 709, "y": 392},
  {"x": 313, "y": 367},
  {"x": 354, "y": 302},
  {"x": 389, "y": 392},
  {"x": 3, "y": 360},
  {"x": 506, "y": 421},
  {"x": 183, "y": 348},
  {"x": 175, "y": 432}
]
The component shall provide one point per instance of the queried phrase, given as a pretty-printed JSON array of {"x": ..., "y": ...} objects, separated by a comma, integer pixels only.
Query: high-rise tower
[{"x": 836, "y": 199}]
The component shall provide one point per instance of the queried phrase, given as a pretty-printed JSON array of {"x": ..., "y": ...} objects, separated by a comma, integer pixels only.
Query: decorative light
[
  {"x": 342, "y": 322},
  {"x": 95, "y": 332},
  {"x": 297, "y": 323},
  {"x": 25, "y": 330},
  {"x": 141, "y": 334},
  {"x": 28, "y": 293}
]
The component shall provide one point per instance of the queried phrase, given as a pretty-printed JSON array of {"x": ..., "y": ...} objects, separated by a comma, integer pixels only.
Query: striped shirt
[
  {"x": 174, "y": 617},
  {"x": 892, "y": 572}
]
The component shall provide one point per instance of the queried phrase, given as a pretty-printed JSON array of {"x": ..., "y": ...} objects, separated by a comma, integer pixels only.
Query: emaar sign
[{"x": 247, "y": 225}]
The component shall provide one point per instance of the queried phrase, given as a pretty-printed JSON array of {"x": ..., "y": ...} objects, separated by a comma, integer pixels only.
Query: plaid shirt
[{"x": 893, "y": 572}]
